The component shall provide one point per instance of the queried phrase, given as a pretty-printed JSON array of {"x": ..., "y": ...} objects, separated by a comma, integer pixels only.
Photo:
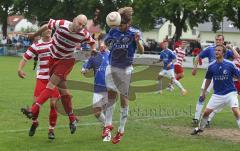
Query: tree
[
  {"x": 180, "y": 13},
  {"x": 5, "y": 9},
  {"x": 232, "y": 12}
]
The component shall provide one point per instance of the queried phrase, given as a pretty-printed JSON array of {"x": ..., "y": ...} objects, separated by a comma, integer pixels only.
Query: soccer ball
[{"x": 113, "y": 19}]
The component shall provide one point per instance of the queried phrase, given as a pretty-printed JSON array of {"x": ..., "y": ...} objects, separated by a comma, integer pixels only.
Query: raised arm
[{"x": 38, "y": 32}]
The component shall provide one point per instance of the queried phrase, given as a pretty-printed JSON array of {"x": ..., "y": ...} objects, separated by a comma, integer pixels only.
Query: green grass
[{"x": 146, "y": 133}]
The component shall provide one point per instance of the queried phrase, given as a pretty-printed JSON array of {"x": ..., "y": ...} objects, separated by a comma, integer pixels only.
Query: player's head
[
  {"x": 126, "y": 17},
  {"x": 220, "y": 50},
  {"x": 79, "y": 23},
  {"x": 165, "y": 44},
  {"x": 219, "y": 39},
  {"x": 47, "y": 33},
  {"x": 101, "y": 43}
]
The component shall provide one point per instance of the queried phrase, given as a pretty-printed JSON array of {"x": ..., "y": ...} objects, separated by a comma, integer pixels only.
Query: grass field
[{"x": 156, "y": 122}]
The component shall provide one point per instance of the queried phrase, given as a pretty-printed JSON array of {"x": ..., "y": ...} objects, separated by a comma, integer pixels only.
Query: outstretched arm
[
  {"x": 139, "y": 43},
  {"x": 20, "y": 71},
  {"x": 38, "y": 32}
]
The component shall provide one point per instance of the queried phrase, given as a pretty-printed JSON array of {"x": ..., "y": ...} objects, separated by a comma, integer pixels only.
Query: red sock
[
  {"x": 53, "y": 117},
  {"x": 178, "y": 78},
  {"x": 67, "y": 104},
  {"x": 44, "y": 96}
]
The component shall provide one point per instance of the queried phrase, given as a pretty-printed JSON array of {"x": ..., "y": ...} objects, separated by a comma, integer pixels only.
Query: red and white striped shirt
[
  {"x": 42, "y": 51},
  {"x": 236, "y": 61},
  {"x": 64, "y": 41},
  {"x": 180, "y": 53}
]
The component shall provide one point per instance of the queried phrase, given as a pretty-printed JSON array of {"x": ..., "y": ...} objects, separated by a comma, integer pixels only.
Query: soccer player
[
  {"x": 41, "y": 51},
  {"x": 122, "y": 43},
  {"x": 168, "y": 57},
  {"x": 209, "y": 53},
  {"x": 98, "y": 62},
  {"x": 67, "y": 35},
  {"x": 221, "y": 72},
  {"x": 178, "y": 69}
]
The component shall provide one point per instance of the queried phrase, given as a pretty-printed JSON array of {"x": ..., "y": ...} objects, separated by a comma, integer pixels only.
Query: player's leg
[
  {"x": 123, "y": 118},
  {"x": 35, "y": 123},
  {"x": 200, "y": 104},
  {"x": 160, "y": 84},
  {"x": 112, "y": 95},
  {"x": 66, "y": 100},
  {"x": 98, "y": 102},
  {"x": 52, "y": 117},
  {"x": 215, "y": 102},
  {"x": 176, "y": 82},
  {"x": 233, "y": 103}
]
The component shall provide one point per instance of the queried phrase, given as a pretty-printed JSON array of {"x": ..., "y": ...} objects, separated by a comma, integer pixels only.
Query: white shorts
[
  {"x": 118, "y": 79},
  {"x": 210, "y": 87},
  {"x": 217, "y": 102},
  {"x": 167, "y": 73},
  {"x": 100, "y": 99}
]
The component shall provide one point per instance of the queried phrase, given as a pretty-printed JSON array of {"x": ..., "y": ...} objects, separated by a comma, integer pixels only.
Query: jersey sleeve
[
  {"x": 236, "y": 71},
  {"x": 89, "y": 64},
  {"x": 88, "y": 38},
  {"x": 229, "y": 54},
  {"x": 204, "y": 53},
  {"x": 30, "y": 53},
  {"x": 54, "y": 24},
  {"x": 209, "y": 73}
]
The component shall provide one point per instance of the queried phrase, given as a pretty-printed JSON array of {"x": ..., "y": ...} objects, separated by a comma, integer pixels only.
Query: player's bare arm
[
  {"x": 20, "y": 71},
  {"x": 195, "y": 64},
  {"x": 139, "y": 43},
  {"x": 207, "y": 83},
  {"x": 38, "y": 32}
]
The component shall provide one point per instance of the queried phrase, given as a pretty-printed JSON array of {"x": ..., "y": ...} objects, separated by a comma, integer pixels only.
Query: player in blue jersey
[
  {"x": 168, "y": 58},
  {"x": 221, "y": 72},
  {"x": 209, "y": 53},
  {"x": 98, "y": 62},
  {"x": 122, "y": 43}
]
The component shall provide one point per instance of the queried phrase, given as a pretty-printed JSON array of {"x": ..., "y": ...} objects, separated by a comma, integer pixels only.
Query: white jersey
[
  {"x": 42, "y": 51},
  {"x": 180, "y": 53}
]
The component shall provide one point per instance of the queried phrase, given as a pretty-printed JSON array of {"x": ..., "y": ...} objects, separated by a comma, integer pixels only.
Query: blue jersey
[
  {"x": 222, "y": 75},
  {"x": 167, "y": 56},
  {"x": 122, "y": 46},
  {"x": 98, "y": 63},
  {"x": 209, "y": 53}
]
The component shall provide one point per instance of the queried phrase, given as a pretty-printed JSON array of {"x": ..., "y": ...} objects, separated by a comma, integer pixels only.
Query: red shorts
[
  {"x": 178, "y": 69},
  {"x": 41, "y": 85},
  {"x": 237, "y": 85},
  {"x": 61, "y": 67}
]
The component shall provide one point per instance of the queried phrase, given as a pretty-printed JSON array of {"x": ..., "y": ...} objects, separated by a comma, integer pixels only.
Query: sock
[
  {"x": 203, "y": 123},
  {"x": 211, "y": 116},
  {"x": 238, "y": 122},
  {"x": 123, "y": 119},
  {"x": 199, "y": 107},
  {"x": 44, "y": 96},
  {"x": 35, "y": 122},
  {"x": 101, "y": 118},
  {"x": 52, "y": 117},
  {"x": 109, "y": 114},
  {"x": 159, "y": 85},
  {"x": 67, "y": 104},
  {"x": 178, "y": 84},
  {"x": 178, "y": 78}
]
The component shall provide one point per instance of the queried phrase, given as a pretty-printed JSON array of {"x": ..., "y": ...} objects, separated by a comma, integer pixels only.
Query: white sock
[
  {"x": 238, "y": 122},
  {"x": 109, "y": 114},
  {"x": 101, "y": 118},
  {"x": 123, "y": 119},
  {"x": 199, "y": 107},
  {"x": 203, "y": 123},
  {"x": 211, "y": 116},
  {"x": 160, "y": 85},
  {"x": 178, "y": 84}
]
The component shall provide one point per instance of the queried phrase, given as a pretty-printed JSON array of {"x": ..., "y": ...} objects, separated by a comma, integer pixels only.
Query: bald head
[{"x": 79, "y": 22}]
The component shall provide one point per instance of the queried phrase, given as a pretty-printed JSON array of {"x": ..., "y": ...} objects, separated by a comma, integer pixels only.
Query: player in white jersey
[{"x": 41, "y": 51}]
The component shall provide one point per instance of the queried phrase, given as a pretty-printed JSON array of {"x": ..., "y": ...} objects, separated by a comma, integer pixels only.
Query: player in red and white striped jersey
[
  {"x": 180, "y": 52},
  {"x": 41, "y": 50},
  {"x": 66, "y": 37}
]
